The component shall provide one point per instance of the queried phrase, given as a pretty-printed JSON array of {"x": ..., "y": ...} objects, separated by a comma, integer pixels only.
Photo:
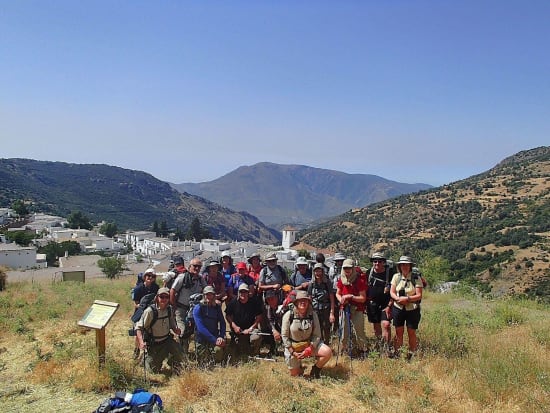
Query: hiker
[
  {"x": 272, "y": 321},
  {"x": 239, "y": 278},
  {"x": 149, "y": 286},
  {"x": 179, "y": 266},
  {"x": 379, "y": 302},
  {"x": 255, "y": 267},
  {"x": 210, "y": 328},
  {"x": 301, "y": 335},
  {"x": 272, "y": 276},
  {"x": 320, "y": 259},
  {"x": 227, "y": 268},
  {"x": 351, "y": 293},
  {"x": 214, "y": 277},
  {"x": 186, "y": 284},
  {"x": 322, "y": 300},
  {"x": 244, "y": 314},
  {"x": 333, "y": 277},
  {"x": 302, "y": 276},
  {"x": 406, "y": 292},
  {"x": 154, "y": 333}
]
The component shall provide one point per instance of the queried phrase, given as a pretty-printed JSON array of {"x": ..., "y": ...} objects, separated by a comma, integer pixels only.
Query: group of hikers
[{"x": 313, "y": 313}]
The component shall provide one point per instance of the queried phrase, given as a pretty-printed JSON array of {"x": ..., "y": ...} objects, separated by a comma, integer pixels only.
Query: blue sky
[{"x": 414, "y": 91}]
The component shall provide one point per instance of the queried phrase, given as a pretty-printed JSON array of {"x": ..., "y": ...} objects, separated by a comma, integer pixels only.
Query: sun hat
[
  {"x": 149, "y": 271},
  {"x": 301, "y": 261},
  {"x": 339, "y": 257},
  {"x": 255, "y": 255},
  {"x": 214, "y": 263},
  {"x": 318, "y": 265},
  {"x": 270, "y": 257},
  {"x": 378, "y": 256},
  {"x": 302, "y": 295},
  {"x": 404, "y": 259}
]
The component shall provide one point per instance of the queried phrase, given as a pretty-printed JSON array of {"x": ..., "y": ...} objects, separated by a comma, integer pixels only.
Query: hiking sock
[{"x": 315, "y": 372}]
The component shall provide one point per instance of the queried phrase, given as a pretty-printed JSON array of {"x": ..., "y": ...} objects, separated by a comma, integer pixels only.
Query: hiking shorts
[
  {"x": 375, "y": 312},
  {"x": 400, "y": 317}
]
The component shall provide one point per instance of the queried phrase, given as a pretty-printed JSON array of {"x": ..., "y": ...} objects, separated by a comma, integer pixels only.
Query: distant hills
[
  {"x": 295, "y": 194},
  {"x": 492, "y": 228},
  {"x": 131, "y": 199}
]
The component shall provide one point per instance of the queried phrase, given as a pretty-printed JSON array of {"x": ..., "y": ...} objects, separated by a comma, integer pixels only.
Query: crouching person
[
  {"x": 301, "y": 334},
  {"x": 210, "y": 328},
  {"x": 154, "y": 333}
]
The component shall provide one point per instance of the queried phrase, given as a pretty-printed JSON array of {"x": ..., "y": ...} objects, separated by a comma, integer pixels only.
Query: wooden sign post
[{"x": 97, "y": 318}]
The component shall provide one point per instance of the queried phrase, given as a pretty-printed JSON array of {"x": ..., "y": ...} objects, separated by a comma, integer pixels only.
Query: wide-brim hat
[
  {"x": 270, "y": 257},
  {"x": 301, "y": 261},
  {"x": 378, "y": 256},
  {"x": 302, "y": 295},
  {"x": 255, "y": 255},
  {"x": 149, "y": 271},
  {"x": 404, "y": 259},
  {"x": 348, "y": 263},
  {"x": 214, "y": 263},
  {"x": 226, "y": 254},
  {"x": 339, "y": 257}
]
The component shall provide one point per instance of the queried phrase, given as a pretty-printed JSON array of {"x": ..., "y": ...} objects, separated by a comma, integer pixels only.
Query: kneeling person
[
  {"x": 301, "y": 333},
  {"x": 210, "y": 327},
  {"x": 154, "y": 334}
]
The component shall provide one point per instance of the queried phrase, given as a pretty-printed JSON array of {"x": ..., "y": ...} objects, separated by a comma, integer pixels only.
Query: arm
[{"x": 201, "y": 328}]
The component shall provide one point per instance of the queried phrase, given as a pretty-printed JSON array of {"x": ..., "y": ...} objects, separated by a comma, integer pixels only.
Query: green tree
[
  {"x": 19, "y": 207},
  {"x": 156, "y": 229},
  {"x": 109, "y": 229},
  {"x": 434, "y": 268},
  {"x": 196, "y": 231},
  {"x": 54, "y": 250},
  {"x": 23, "y": 238},
  {"x": 78, "y": 220},
  {"x": 163, "y": 231},
  {"x": 112, "y": 267}
]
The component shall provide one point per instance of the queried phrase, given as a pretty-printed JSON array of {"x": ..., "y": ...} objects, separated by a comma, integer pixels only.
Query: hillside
[
  {"x": 295, "y": 194},
  {"x": 493, "y": 228},
  {"x": 131, "y": 199}
]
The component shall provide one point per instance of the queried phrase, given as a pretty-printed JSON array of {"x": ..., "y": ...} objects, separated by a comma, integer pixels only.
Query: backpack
[
  {"x": 372, "y": 280},
  {"x": 138, "y": 282},
  {"x": 140, "y": 401},
  {"x": 145, "y": 302},
  {"x": 194, "y": 300},
  {"x": 415, "y": 277}
]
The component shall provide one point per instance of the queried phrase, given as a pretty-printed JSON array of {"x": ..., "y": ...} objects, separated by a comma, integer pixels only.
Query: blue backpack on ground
[{"x": 140, "y": 401}]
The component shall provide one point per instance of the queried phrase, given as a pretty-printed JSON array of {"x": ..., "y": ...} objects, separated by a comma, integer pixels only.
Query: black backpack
[
  {"x": 194, "y": 300},
  {"x": 139, "y": 281},
  {"x": 145, "y": 302}
]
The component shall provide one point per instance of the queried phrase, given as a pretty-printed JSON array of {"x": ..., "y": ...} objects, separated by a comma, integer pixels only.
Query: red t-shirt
[{"x": 360, "y": 284}]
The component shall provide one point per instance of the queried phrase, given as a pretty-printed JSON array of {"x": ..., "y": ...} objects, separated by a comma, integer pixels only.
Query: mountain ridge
[{"x": 295, "y": 194}]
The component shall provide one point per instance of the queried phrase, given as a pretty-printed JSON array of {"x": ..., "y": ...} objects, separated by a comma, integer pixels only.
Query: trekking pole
[
  {"x": 340, "y": 331},
  {"x": 350, "y": 343},
  {"x": 144, "y": 365}
]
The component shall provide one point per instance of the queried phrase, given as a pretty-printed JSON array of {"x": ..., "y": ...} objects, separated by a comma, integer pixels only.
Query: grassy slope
[{"x": 476, "y": 356}]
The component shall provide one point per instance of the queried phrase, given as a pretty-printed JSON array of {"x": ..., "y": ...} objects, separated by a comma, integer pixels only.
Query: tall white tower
[{"x": 289, "y": 236}]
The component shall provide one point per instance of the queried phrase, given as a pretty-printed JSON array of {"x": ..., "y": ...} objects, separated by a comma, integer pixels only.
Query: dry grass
[{"x": 50, "y": 359}]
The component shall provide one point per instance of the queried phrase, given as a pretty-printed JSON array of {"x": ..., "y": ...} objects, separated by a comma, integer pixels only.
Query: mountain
[
  {"x": 492, "y": 228},
  {"x": 131, "y": 199},
  {"x": 295, "y": 194}
]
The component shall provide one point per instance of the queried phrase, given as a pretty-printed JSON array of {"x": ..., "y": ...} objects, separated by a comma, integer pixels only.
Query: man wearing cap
[
  {"x": 271, "y": 321},
  {"x": 272, "y": 276},
  {"x": 210, "y": 328},
  {"x": 239, "y": 278},
  {"x": 154, "y": 334},
  {"x": 351, "y": 292},
  {"x": 186, "y": 284},
  {"x": 179, "y": 266},
  {"x": 334, "y": 276},
  {"x": 406, "y": 292},
  {"x": 378, "y": 298},
  {"x": 214, "y": 277},
  {"x": 243, "y": 316},
  {"x": 302, "y": 276}
]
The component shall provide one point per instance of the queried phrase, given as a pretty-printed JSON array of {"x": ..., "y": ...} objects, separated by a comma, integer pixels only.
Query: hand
[
  {"x": 276, "y": 336},
  {"x": 177, "y": 331},
  {"x": 246, "y": 331},
  {"x": 143, "y": 345},
  {"x": 237, "y": 329},
  {"x": 220, "y": 342},
  {"x": 331, "y": 318},
  {"x": 276, "y": 286}
]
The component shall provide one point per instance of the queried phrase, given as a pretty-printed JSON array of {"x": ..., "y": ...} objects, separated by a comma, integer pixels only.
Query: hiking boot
[{"x": 315, "y": 372}]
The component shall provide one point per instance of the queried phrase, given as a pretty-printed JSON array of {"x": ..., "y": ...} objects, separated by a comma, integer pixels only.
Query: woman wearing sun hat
[
  {"x": 406, "y": 292},
  {"x": 301, "y": 335}
]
